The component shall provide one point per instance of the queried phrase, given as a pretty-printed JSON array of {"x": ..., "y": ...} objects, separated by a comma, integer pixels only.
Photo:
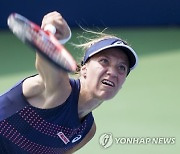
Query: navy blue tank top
[{"x": 27, "y": 129}]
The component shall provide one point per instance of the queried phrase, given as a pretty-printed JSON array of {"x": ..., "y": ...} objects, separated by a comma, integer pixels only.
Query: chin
[{"x": 106, "y": 96}]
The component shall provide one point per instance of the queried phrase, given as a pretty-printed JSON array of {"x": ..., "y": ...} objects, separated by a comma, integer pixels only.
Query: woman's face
[{"x": 105, "y": 73}]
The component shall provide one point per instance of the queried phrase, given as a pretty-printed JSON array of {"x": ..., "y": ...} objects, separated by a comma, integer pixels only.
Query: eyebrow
[{"x": 126, "y": 62}]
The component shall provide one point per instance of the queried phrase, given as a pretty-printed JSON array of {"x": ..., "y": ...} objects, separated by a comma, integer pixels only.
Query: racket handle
[{"x": 52, "y": 29}]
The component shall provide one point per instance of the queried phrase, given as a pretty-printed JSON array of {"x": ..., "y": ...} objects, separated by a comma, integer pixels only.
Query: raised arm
[
  {"x": 50, "y": 74},
  {"x": 51, "y": 82}
]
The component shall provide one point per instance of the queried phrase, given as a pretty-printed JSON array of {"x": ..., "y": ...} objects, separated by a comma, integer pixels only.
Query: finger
[{"x": 50, "y": 18}]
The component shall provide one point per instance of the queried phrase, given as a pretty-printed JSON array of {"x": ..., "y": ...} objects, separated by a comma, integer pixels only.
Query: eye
[
  {"x": 104, "y": 61},
  {"x": 122, "y": 68}
]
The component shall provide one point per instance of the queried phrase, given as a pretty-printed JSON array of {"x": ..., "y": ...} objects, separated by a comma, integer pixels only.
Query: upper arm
[
  {"x": 87, "y": 138},
  {"x": 50, "y": 79},
  {"x": 52, "y": 76}
]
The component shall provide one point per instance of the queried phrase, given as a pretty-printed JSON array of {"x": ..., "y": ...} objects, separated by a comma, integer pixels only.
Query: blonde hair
[{"x": 93, "y": 37}]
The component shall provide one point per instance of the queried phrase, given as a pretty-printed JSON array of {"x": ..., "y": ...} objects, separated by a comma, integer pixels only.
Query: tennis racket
[{"x": 43, "y": 41}]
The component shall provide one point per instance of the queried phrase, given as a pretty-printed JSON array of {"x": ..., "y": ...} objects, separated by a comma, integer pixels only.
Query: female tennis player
[{"x": 51, "y": 112}]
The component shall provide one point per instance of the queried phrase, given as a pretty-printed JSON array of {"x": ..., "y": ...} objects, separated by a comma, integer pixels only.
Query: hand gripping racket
[{"x": 44, "y": 42}]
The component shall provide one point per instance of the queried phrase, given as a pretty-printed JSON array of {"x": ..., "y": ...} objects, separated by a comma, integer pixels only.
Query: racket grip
[{"x": 52, "y": 29}]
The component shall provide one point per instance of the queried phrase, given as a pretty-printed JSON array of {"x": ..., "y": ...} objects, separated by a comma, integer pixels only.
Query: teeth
[{"x": 107, "y": 82}]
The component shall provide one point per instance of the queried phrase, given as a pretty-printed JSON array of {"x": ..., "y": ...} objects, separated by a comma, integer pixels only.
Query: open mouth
[{"x": 108, "y": 83}]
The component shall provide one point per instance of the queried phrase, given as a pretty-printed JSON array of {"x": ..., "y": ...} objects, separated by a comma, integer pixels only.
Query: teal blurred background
[{"x": 148, "y": 105}]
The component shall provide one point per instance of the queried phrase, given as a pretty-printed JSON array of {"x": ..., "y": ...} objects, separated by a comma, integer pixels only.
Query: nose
[{"x": 111, "y": 71}]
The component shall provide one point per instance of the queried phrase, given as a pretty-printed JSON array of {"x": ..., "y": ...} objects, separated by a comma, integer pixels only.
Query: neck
[{"x": 87, "y": 102}]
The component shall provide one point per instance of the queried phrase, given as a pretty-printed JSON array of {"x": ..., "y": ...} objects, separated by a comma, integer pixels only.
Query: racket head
[{"x": 42, "y": 41}]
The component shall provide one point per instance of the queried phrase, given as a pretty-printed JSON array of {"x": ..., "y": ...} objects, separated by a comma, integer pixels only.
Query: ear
[{"x": 84, "y": 70}]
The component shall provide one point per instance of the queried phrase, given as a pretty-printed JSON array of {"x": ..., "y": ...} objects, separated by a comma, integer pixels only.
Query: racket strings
[
  {"x": 48, "y": 48},
  {"x": 17, "y": 28},
  {"x": 42, "y": 41}
]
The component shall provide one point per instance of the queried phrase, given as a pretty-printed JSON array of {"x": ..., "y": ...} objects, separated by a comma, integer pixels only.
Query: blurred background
[{"x": 149, "y": 103}]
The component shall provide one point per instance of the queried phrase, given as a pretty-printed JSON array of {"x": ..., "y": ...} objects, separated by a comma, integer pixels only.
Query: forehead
[{"x": 113, "y": 53}]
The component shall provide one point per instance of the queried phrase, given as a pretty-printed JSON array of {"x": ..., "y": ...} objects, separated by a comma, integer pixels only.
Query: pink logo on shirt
[{"x": 63, "y": 137}]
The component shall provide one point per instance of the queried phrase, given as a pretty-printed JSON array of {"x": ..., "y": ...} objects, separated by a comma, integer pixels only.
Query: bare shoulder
[
  {"x": 42, "y": 94},
  {"x": 87, "y": 138},
  {"x": 90, "y": 134},
  {"x": 32, "y": 86},
  {"x": 92, "y": 131}
]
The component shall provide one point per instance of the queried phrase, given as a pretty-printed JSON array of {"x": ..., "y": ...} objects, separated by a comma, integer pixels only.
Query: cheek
[
  {"x": 95, "y": 70},
  {"x": 94, "y": 75},
  {"x": 122, "y": 79}
]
